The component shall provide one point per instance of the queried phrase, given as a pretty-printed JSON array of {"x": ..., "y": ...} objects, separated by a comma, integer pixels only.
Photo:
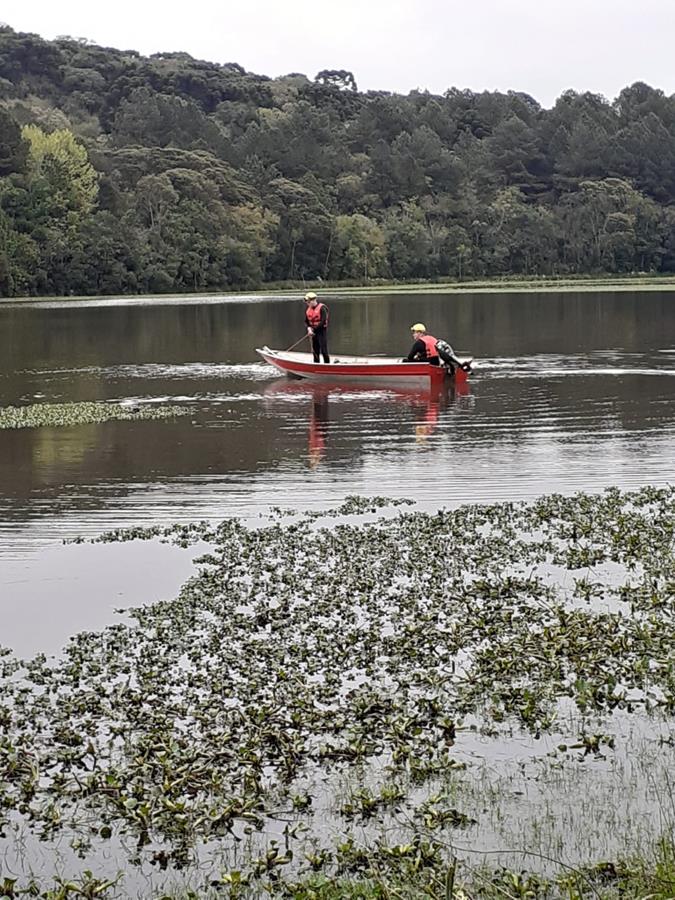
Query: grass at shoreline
[
  {"x": 637, "y": 878},
  {"x": 410, "y": 872},
  {"x": 535, "y": 284}
]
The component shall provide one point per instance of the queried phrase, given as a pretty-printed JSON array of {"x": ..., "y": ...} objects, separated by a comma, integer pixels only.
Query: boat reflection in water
[
  {"x": 430, "y": 405},
  {"x": 318, "y": 427},
  {"x": 426, "y": 407}
]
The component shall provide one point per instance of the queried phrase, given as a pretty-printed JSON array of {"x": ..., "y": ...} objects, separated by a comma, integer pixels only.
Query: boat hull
[{"x": 371, "y": 370}]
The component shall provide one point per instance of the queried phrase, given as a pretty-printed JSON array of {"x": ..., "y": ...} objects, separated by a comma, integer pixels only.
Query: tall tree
[
  {"x": 13, "y": 147},
  {"x": 60, "y": 162}
]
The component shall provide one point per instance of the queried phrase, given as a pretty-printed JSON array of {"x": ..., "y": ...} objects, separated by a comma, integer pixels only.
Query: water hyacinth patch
[
  {"x": 53, "y": 415},
  {"x": 301, "y": 656}
]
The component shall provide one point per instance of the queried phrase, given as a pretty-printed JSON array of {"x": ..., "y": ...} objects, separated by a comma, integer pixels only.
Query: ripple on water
[
  {"x": 587, "y": 364},
  {"x": 197, "y": 370}
]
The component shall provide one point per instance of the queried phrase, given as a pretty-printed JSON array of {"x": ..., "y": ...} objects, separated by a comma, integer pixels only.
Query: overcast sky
[{"x": 542, "y": 47}]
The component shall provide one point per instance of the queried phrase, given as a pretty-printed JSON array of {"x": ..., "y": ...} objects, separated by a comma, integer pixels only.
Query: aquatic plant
[
  {"x": 302, "y": 655},
  {"x": 53, "y": 415}
]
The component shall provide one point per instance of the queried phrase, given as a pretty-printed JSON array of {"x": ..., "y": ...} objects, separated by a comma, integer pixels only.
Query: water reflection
[
  {"x": 318, "y": 426},
  {"x": 572, "y": 391},
  {"x": 435, "y": 402},
  {"x": 423, "y": 408}
]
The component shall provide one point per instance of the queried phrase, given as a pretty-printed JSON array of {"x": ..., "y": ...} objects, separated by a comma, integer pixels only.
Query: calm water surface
[{"x": 573, "y": 391}]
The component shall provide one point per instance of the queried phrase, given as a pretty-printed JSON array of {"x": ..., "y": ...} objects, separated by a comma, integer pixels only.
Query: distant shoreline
[{"x": 540, "y": 284}]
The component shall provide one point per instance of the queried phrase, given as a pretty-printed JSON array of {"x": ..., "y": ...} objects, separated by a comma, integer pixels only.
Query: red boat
[{"x": 375, "y": 370}]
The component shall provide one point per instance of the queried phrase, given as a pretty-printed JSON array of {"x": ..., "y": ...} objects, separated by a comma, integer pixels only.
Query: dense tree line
[{"x": 122, "y": 173}]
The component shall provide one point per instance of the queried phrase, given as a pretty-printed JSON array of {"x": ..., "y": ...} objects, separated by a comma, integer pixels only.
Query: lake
[{"x": 572, "y": 391}]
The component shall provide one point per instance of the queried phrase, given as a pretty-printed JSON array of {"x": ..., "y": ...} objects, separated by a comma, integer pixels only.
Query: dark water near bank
[{"x": 574, "y": 391}]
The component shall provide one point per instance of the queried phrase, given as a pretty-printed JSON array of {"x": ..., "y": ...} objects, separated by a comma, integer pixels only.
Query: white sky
[{"x": 539, "y": 46}]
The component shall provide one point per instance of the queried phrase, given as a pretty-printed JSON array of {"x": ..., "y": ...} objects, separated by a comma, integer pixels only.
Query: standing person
[
  {"x": 316, "y": 320},
  {"x": 424, "y": 346}
]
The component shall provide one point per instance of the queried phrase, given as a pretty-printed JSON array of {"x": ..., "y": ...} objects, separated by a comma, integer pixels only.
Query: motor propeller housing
[{"x": 447, "y": 354}]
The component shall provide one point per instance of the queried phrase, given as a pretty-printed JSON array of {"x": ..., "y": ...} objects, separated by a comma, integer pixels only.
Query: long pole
[{"x": 297, "y": 342}]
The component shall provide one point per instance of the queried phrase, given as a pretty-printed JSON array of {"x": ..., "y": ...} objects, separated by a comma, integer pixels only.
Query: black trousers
[{"x": 320, "y": 345}]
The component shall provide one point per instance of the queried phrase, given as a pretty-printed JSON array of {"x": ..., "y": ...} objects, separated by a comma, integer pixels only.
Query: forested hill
[{"x": 123, "y": 173}]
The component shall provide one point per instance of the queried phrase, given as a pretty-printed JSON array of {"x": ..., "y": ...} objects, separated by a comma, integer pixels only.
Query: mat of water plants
[
  {"x": 52, "y": 415},
  {"x": 358, "y": 647}
]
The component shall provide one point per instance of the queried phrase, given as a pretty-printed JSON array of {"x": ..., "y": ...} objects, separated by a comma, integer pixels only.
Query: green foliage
[
  {"x": 19, "y": 257},
  {"x": 360, "y": 250},
  {"x": 58, "y": 162},
  {"x": 339, "y": 78},
  {"x": 162, "y": 120},
  {"x": 52, "y": 415},
  {"x": 196, "y": 176},
  {"x": 13, "y": 147}
]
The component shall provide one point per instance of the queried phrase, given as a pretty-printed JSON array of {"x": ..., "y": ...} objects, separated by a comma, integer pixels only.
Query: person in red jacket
[
  {"x": 424, "y": 346},
  {"x": 316, "y": 320}
]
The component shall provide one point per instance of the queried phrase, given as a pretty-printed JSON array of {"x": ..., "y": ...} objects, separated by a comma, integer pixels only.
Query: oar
[{"x": 297, "y": 342}]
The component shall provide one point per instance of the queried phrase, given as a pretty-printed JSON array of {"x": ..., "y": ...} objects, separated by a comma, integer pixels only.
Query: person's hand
[{"x": 310, "y": 331}]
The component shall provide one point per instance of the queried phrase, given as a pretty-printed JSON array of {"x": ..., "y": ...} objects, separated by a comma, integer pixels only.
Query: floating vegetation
[
  {"x": 313, "y": 673},
  {"x": 53, "y": 415}
]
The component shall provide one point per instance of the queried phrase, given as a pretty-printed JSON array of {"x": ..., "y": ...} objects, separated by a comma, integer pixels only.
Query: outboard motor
[{"x": 447, "y": 354}]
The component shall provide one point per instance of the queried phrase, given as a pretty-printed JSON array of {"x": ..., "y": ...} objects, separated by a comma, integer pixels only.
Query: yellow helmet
[
  {"x": 418, "y": 327},
  {"x": 311, "y": 296}
]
